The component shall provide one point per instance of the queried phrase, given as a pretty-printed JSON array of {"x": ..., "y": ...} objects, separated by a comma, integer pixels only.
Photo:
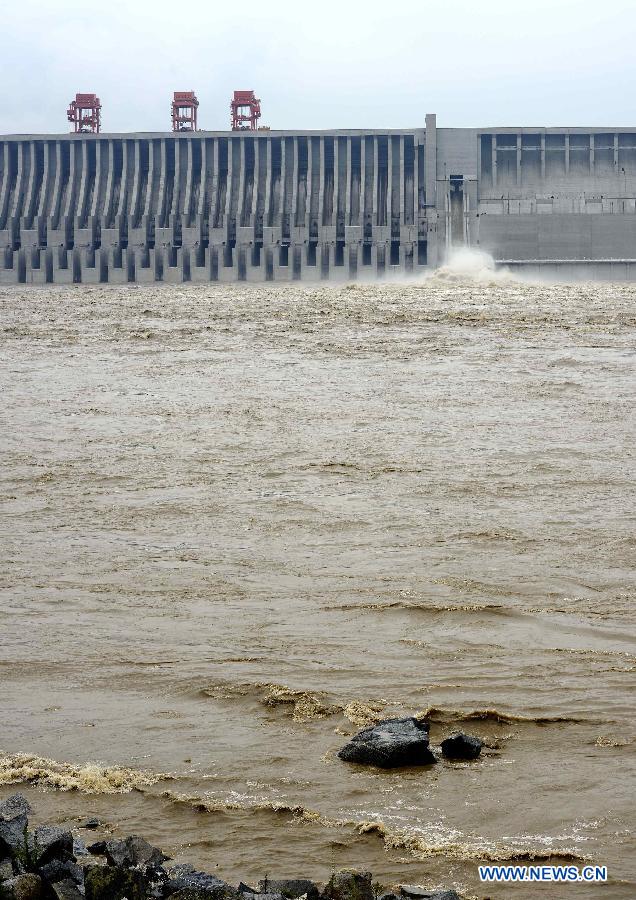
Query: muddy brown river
[{"x": 240, "y": 522}]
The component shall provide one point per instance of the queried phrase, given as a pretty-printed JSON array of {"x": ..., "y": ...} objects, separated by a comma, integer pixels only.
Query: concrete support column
[
  {"x": 336, "y": 181},
  {"x": 310, "y": 178},
  {"x": 240, "y": 212},
  {"x": 430, "y": 165},
  {"x": 518, "y": 159},
  {"x": 374, "y": 217},
  {"x": 162, "y": 199},
  {"x": 295, "y": 178},
  {"x": 214, "y": 199},
  {"x": 268, "y": 182},
  {"x": 321, "y": 194},
  {"x": 55, "y": 195},
  {"x": 256, "y": 180},
  {"x": 363, "y": 179},
  {"x": 27, "y": 212},
  {"x": 348, "y": 182},
  {"x": 44, "y": 199},
  {"x": 543, "y": 155},
  {"x": 231, "y": 167},
  {"x": 201, "y": 203},
  {"x": 69, "y": 203},
  {"x": 95, "y": 208},
  {"x": 281, "y": 194},
  {"x": 146, "y": 201},
  {"x": 493, "y": 152},
  {"x": 616, "y": 152},
  {"x": 6, "y": 180},
  {"x": 430, "y": 175},
  {"x": 388, "y": 212},
  {"x": 109, "y": 184},
  {"x": 174, "y": 207},
  {"x": 402, "y": 180},
  {"x": 13, "y": 220},
  {"x": 134, "y": 201},
  {"x": 187, "y": 199},
  {"x": 567, "y": 154}
]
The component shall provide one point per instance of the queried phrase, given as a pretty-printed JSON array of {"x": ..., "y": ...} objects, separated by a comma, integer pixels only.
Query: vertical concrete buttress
[{"x": 430, "y": 176}]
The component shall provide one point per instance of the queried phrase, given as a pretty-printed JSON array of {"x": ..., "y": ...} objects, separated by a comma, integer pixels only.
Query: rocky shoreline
[{"x": 50, "y": 863}]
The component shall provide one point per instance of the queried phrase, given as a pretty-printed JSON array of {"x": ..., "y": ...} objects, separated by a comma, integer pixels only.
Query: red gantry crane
[
  {"x": 242, "y": 120},
  {"x": 85, "y": 114},
  {"x": 184, "y": 111}
]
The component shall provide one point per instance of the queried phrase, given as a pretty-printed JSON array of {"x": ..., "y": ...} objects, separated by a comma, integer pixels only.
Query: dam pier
[{"x": 261, "y": 205}]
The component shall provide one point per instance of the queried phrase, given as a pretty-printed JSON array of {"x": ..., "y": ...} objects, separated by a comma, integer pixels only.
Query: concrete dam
[{"x": 281, "y": 206}]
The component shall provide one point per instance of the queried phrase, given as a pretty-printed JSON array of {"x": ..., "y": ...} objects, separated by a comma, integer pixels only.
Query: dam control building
[{"x": 264, "y": 205}]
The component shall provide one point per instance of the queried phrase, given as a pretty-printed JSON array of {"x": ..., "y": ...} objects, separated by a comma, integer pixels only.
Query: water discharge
[{"x": 243, "y": 521}]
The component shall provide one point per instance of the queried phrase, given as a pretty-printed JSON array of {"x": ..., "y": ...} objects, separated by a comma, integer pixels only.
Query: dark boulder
[
  {"x": 23, "y": 887},
  {"x": 245, "y": 888},
  {"x": 14, "y": 818},
  {"x": 349, "y": 886},
  {"x": 392, "y": 743},
  {"x": 113, "y": 883},
  {"x": 98, "y": 848},
  {"x": 79, "y": 847},
  {"x": 186, "y": 877},
  {"x": 51, "y": 842},
  {"x": 133, "y": 851},
  {"x": 290, "y": 887},
  {"x": 61, "y": 870},
  {"x": 461, "y": 746},
  {"x": 92, "y": 823}
]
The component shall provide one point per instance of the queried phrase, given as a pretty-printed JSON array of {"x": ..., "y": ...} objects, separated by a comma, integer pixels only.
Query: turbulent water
[{"x": 239, "y": 522}]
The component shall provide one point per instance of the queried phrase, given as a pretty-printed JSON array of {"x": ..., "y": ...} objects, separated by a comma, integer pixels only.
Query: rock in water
[
  {"x": 349, "y": 886},
  {"x": 392, "y": 743},
  {"x": 461, "y": 746},
  {"x": 133, "y": 851},
  {"x": 14, "y": 818}
]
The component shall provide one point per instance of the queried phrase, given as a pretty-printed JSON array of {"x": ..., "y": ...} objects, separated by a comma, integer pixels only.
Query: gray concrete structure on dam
[{"x": 275, "y": 205}]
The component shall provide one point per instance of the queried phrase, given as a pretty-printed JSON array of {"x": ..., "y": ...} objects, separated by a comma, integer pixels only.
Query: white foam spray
[{"x": 468, "y": 264}]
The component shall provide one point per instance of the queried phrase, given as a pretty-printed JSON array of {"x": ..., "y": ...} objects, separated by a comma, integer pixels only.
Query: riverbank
[{"x": 49, "y": 862}]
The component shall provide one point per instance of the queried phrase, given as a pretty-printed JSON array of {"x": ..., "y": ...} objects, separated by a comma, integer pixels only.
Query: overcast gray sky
[{"x": 334, "y": 63}]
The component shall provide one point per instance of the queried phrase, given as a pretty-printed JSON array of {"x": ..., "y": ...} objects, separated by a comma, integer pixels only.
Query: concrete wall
[
  {"x": 221, "y": 207},
  {"x": 558, "y": 197},
  {"x": 313, "y": 205}
]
